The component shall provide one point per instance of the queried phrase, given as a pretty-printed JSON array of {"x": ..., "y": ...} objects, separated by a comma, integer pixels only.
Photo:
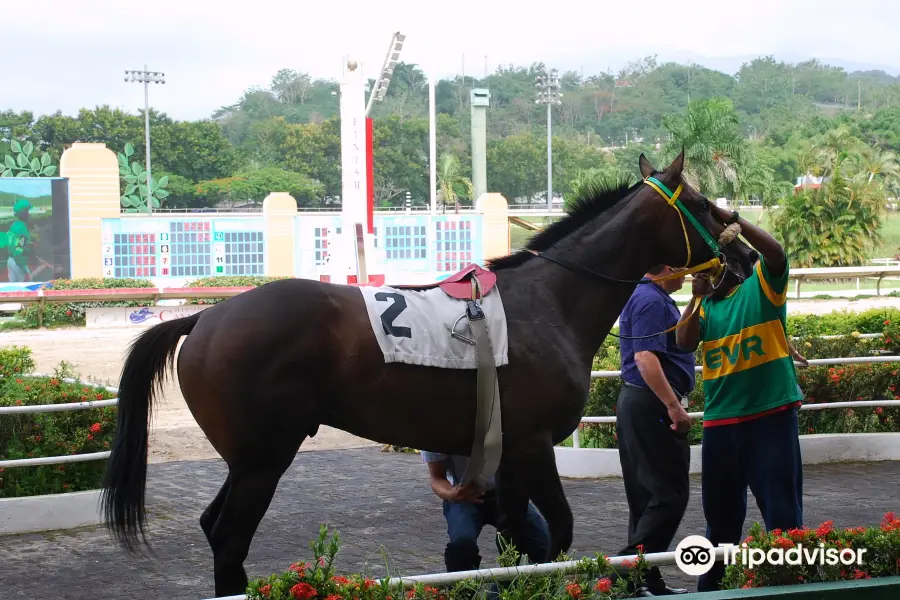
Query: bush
[
  {"x": 318, "y": 580},
  {"x": 229, "y": 281},
  {"x": 34, "y": 435},
  {"x": 881, "y": 559},
  {"x": 871, "y": 381},
  {"x": 591, "y": 578},
  {"x": 72, "y": 313}
]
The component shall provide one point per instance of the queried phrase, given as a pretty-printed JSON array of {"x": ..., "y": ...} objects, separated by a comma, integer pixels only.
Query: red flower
[
  {"x": 878, "y": 410},
  {"x": 857, "y": 574},
  {"x": 640, "y": 549},
  {"x": 367, "y": 583},
  {"x": 604, "y": 585},
  {"x": 96, "y": 427},
  {"x": 776, "y": 532},
  {"x": 411, "y": 594},
  {"x": 629, "y": 564},
  {"x": 825, "y": 528},
  {"x": 334, "y": 597},
  {"x": 782, "y": 542},
  {"x": 340, "y": 580},
  {"x": 264, "y": 590},
  {"x": 303, "y": 591},
  {"x": 298, "y": 567},
  {"x": 574, "y": 590}
]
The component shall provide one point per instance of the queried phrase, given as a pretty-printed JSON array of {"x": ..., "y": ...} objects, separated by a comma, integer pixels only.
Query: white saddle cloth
[{"x": 413, "y": 326}]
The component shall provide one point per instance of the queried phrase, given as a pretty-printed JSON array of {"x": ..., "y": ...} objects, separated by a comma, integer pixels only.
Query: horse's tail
[{"x": 122, "y": 498}]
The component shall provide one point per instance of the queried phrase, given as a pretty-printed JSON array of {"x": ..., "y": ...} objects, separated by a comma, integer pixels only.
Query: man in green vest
[
  {"x": 18, "y": 243},
  {"x": 750, "y": 428}
]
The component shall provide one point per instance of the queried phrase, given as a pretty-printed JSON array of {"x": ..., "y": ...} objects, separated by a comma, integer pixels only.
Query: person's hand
[
  {"x": 701, "y": 285},
  {"x": 799, "y": 357},
  {"x": 718, "y": 213},
  {"x": 681, "y": 422},
  {"x": 466, "y": 493}
]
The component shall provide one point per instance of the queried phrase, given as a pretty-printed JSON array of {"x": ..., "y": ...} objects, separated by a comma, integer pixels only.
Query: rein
[{"x": 672, "y": 200}]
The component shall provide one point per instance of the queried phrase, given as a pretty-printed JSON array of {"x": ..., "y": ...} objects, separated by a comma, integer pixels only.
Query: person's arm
[
  {"x": 795, "y": 354},
  {"x": 690, "y": 332},
  {"x": 443, "y": 489},
  {"x": 648, "y": 318}
]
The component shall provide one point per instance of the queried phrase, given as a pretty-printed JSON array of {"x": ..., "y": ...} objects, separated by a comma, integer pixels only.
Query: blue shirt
[{"x": 651, "y": 310}]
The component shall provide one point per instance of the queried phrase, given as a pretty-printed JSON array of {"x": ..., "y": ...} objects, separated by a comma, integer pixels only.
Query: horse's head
[{"x": 689, "y": 234}]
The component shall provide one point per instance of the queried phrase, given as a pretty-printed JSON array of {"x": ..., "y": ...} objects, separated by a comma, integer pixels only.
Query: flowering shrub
[
  {"x": 590, "y": 580},
  {"x": 881, "y": 558},
  {"x": 73, "y": 313},
  {"x": 34, "y": 435}
]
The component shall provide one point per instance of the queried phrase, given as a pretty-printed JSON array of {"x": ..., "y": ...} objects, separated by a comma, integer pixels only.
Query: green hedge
[
  {"x": 61, "y": 314},
  {"x": 592, "y": 578},
  {"x": 35, "y": 435}
]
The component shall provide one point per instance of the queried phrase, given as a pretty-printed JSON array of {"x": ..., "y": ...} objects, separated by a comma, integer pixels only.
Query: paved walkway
[{"x": 381, "y": 504}]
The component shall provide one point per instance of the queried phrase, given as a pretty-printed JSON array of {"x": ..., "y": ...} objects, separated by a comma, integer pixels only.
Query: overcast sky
[{"x": 68, "y": 54}]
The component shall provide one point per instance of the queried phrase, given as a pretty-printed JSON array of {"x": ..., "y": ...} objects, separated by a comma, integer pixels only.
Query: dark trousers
[
  {"x": 465, "y": 522},
  {"x": 655, "y": 464},
  {"x": 763, "y": 454}
]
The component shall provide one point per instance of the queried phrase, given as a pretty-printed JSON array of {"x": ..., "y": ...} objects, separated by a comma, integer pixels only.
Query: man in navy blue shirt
[{"x": 651, "y": 421}]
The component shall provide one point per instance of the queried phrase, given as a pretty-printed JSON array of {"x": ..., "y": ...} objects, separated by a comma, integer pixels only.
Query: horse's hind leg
[
  {"x": 250, "y": 488},
  {"x": 211, "y": 514}
]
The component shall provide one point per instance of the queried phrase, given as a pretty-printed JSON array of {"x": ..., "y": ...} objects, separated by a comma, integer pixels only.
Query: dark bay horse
[{"x": 263, "y": 370}]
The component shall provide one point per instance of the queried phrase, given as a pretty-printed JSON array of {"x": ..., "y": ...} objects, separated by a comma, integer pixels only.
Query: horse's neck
[{"x": 586, "y": 304}]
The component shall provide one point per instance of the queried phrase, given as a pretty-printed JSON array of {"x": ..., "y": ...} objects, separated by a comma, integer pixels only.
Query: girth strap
[{"x": 487, "y": 446}]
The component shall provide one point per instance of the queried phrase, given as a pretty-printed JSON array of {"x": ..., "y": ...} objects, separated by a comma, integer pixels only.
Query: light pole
[
  {"x": 549, "y": 94},
  {"x": 146, "y": 77}
]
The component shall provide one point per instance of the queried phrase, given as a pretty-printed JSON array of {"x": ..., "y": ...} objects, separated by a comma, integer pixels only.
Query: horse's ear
[
  {"x": 646, "y": 168},
  {"x": 677, "y": 165}
]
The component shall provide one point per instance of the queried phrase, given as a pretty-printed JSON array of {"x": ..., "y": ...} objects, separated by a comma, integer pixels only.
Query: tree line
[{"x": 748, "y": 136}]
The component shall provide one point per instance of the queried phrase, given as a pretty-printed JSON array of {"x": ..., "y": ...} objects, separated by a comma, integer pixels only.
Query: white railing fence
[
  {"x": 854, "y": 360},
  {"x": 45, "y": 408}
]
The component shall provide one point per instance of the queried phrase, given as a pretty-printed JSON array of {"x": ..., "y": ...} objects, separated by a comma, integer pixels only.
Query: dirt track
[{"x": 97, "y": 354}]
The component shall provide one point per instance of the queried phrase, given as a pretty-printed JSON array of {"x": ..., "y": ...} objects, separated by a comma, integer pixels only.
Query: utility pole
[
  {"x": 146, "y": 77},
  {"x": 549, "y": 94}
]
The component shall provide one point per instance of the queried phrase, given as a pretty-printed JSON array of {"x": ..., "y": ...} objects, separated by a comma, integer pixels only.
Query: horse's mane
[{"x": 593, "y": 199}]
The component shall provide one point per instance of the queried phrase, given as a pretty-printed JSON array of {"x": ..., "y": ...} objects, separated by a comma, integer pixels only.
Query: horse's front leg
[{"x": 532, "y": 475}]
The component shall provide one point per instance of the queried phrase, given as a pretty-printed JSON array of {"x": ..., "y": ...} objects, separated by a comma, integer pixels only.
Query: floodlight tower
[
  {"x": 146, "y": 77},
  {"x": 549, "y": 94}
]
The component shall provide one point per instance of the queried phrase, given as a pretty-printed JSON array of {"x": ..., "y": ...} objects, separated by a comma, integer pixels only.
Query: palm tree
[
  {"x": 714, "y": 147},
  {"x": 451, "y": 181}
]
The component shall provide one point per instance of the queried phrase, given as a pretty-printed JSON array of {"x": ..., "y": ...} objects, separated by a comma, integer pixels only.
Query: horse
[{"x": 261, "y": 371}]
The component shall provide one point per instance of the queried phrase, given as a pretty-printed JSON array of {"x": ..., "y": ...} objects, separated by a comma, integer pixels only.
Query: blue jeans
[
  {"x": 763, "y": 454},
  {"x": 465, "y": 522}
]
